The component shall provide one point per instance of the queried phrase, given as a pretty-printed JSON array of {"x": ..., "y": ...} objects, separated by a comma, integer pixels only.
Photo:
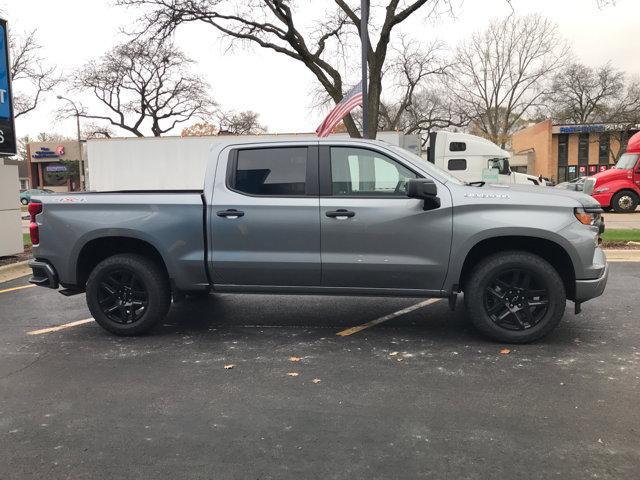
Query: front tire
[
  {"x": 128, "y": 294},
  {"x": 515, "y": 297},
  {"x": 625, "y": 201},
  {"x": 24, "y": 201}
]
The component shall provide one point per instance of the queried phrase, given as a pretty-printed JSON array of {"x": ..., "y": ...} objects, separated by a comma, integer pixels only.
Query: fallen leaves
[
  {"x": 229, "y": 366},
  {"x": 316, "y": 380},
  {"x": 293, "y": 374},
  {"x": 293, "y": 358},
  {"x": 505, "y": 351}
]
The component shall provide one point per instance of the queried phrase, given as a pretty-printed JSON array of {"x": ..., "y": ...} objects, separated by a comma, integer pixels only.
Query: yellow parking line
[
  {"x": 60, "y": 327},
  {"x": 377, "y": 321},
  {"x": 16, "y": 288}
]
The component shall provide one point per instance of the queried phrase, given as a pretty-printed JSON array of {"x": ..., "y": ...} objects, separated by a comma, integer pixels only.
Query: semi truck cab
[
  {"x": 619, "y": 188},
  {"x": 474, "y": 159}
]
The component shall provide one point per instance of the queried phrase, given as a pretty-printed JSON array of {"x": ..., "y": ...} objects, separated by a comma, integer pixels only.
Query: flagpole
[{"x": 364, "y": 39}]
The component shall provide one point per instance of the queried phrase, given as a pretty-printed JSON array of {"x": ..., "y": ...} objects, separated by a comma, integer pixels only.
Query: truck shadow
[{"x": 328, "y": 315}]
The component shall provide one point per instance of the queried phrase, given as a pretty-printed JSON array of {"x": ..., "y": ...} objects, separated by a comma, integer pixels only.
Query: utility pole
[
  {"x": 81, "y": 159},
  {"x": 364, "y": 39}
]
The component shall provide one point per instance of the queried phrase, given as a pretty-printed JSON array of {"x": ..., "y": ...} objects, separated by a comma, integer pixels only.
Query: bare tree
[
  {"x": 30, "y": 76},
  {"x": 240, "y": 123},
  {"x": 275, "y": 25},
  {"x": 96, "y": 130},
  {"x": 502, "y": 74},
  {"x": 229, "y": 123},
  {"x": 583, "y": 94},
  {"x": 144, "y": 84},
  {"x": 418, "y": 101}
]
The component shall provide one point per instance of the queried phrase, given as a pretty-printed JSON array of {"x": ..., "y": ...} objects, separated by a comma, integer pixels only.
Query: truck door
[
  {"x": 264, "y": 218},
  {"x": 372, "y": 234}
]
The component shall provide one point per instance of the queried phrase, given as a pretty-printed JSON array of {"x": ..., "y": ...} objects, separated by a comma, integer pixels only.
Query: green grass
[
  {"x": 621, "y": 235},
  {"x": 26, "y": 239}
]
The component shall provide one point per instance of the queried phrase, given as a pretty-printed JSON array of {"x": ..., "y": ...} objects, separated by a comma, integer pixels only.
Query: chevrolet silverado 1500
[{"x": 327, "y": 217}]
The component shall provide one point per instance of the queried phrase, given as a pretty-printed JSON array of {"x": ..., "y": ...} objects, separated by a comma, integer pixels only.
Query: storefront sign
[
  {"x": 592, "y": 169},
  {"x": 582, "y": 169},
  {"x": 55, "y": 168},
  {"x": 45, "y": 152},
  {"x": 7, "y": 126},
  {"x": 602, "y": 168},
  {"x": 582, "y": 129}
]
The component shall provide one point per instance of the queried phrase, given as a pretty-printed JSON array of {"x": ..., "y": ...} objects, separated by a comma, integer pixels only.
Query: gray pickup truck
[{"x": 327, "y": 217}]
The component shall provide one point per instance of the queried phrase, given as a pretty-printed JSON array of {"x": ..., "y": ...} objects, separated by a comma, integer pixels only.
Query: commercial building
[
  {"x": 566, "y": 151},
  {"x": 54, "y": 165}
]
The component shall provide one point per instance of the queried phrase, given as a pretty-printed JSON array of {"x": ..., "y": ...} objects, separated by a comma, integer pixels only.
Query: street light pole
[
  {"x": 364, "y": 39},
  {"x": 81, "y": 160}
]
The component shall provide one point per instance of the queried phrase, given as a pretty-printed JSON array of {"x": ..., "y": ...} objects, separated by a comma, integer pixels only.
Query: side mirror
[{"x": 424, "y": 189}]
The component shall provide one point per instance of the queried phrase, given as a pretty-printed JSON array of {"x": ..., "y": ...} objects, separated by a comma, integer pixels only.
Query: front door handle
[
  {"x": 231, "y": 213},
  {"x": 340, "y": 214}
]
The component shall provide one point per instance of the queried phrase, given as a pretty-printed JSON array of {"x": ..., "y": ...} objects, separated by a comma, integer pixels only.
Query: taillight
[{"x": 34, "y": 209}]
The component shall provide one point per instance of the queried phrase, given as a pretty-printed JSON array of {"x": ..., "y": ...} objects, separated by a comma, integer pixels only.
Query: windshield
[
  {"x": 627, "y": 161},
  {"x": 502, "y": 164},
  {"x": 428, "y": 166}
]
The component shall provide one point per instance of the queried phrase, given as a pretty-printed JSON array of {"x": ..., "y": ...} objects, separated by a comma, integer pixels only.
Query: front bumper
[
  {"x": 44, "y": 275},
  {"x": 588, "y": 289}
]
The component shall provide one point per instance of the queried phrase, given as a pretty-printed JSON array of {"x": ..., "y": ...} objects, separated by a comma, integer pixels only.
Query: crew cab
[
  {"x": 327, "y": 217},
  {"x": 619, "y": 188}
]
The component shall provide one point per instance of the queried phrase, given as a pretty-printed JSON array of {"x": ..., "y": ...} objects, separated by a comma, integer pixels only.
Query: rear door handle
[
  {"x": 231, "y": 213},
  {"x": 340, "y": 214}
]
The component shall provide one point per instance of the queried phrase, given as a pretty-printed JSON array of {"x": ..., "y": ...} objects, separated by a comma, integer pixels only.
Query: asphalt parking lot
[{"x": 420, "y": 396}]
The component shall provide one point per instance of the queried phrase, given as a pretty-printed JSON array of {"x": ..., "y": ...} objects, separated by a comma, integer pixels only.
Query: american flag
[{"x": 352, "y": 99}]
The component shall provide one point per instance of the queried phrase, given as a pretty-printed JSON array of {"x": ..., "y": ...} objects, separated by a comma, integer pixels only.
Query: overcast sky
[{"x": 74, "y": 31}]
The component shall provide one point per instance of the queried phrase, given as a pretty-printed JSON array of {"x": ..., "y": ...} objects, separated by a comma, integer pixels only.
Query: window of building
[
  {"x": 361, "y": 172},
  {"x": 562, "y": 174},
  {"x": 603, "y": 150},
  {"x": 457, "y": 164},
  {"x": 583, "y": 149},
  {"x": 273, "y": 172},
  {"x": 563, "y": 149},
  {"x": 457, "y": 146}
]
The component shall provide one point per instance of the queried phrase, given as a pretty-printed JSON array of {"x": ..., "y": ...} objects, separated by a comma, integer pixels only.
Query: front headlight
[
  {"x": 587, "y": 217},
  {"x": 601, "y": 190}
]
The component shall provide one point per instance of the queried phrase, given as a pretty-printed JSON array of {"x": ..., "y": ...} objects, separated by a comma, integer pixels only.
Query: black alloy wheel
[
  {"x": 516, "y": 299},
  {"x": 122, "y": 296}
]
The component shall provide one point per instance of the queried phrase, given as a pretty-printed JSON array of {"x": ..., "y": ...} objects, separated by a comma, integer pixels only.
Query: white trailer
[{"x": 171, "y": 163}]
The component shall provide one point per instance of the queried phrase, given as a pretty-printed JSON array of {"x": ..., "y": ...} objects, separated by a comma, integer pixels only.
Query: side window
[
  {"x": 457, "y": 164},
  {"x": 275, "y": 172},
  {"x": 457, "y": 146},
  {"x": 361, "y": 172}
]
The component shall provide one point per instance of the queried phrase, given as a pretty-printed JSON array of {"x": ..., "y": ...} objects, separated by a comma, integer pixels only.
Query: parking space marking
[
  {"x": 16, "y": 288},
  {"x": 377, "y": 321},
  {"x": 60, "y": 327}
]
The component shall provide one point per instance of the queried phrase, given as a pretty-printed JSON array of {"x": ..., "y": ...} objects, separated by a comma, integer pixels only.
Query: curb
[
  {"x": 13, "y": 265},
  {"x": 620, "y": 255},
  {"x": 13, "y": 271}
]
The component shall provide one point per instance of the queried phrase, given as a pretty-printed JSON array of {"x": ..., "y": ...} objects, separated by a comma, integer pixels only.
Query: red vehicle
[{"x": 619, "y": 188}]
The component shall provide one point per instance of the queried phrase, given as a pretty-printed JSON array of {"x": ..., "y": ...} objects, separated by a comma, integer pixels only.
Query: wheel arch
[
  {"x": 100, "y": 248},
  {"x": 551, "y": 251}
]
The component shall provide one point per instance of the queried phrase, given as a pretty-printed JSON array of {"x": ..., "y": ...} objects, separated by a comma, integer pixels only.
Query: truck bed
[{"x": 169, "y": 221}]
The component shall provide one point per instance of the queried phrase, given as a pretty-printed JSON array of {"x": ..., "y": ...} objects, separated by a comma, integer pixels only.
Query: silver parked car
[{"x": 334, "y": 217}]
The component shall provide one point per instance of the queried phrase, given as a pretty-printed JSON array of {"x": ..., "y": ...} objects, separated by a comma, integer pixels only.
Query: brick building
[{"x": 566, "y": 151}]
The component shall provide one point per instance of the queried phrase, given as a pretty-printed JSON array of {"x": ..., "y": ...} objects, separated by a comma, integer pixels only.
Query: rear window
[
  {"x": 276, "y": 172},
  {"x": 457, "y": 164}
]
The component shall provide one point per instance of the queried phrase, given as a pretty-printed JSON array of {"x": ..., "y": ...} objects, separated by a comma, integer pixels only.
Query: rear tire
[
  {"x": 128, "y": 294},
  {"x": 625, "y": 201},
  {"x": 24, "y": 201},
  {"x": 515, "y": 297}
]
